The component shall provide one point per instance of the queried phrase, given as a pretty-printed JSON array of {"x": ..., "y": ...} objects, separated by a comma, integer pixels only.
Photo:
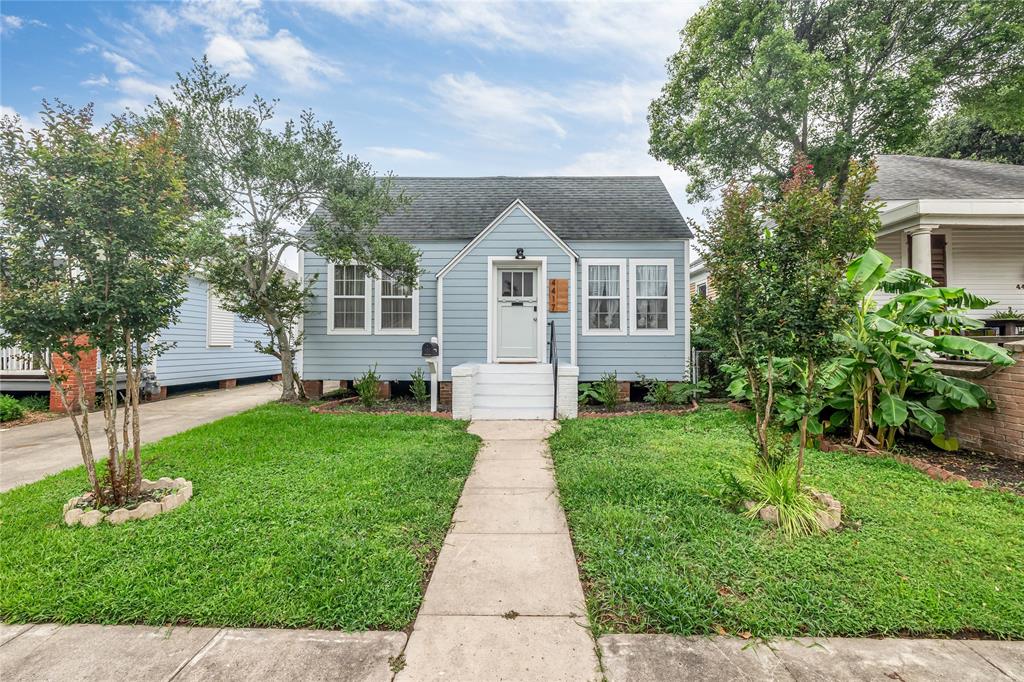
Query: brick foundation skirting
[{"x": 314, "y": 388}]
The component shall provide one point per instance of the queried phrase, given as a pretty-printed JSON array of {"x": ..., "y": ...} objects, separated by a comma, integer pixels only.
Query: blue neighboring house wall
[
  {"x": 463, "y": 271},
  {"x": 195, "y": 357}
]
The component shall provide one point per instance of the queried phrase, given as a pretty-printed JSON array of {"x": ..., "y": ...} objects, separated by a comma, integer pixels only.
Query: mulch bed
[
  {"x": 971, "y": 464},
  {"x": 31, "y": 418},
  {"x": 351, "y": 405},
  {"x": 625, "y": 409}
]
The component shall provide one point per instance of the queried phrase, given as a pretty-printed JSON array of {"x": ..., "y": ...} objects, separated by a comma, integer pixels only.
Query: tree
[
  {"x": 964, "y": 135},
  {"x": 758, "y": 82},
  {"x": 94, "y": 244},
  {"x": 782, "y": 297},
  {"x": 259, "y": 185}
]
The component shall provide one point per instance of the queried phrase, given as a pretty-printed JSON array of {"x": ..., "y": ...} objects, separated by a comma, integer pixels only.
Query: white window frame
[
  {"x": 378, "y": 312},
  {"x": 623, "y": 310},
  {"x": 367, "y": 306},
  {"x": 704, "y": 285},
  {"x": 634, "y": 263},
  {"x": 211, "y": 300}
]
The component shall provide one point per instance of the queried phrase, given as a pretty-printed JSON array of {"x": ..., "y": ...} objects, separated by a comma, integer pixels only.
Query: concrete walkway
[
  {"x": 727, "y": 659},
  {"x": 505, "y": 600},
  {"x": 111, "y": 653},
  {"x": 28, "y": 453}
]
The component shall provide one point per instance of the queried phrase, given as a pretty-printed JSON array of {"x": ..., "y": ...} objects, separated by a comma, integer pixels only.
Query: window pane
[
  {"x": 349, "y": 280},
  {"x": 604, "y": 313},
  {"x": 506, "y": 284},
  {"x": 527, "y": 284},
  {"x": 652, "y": 313},
  {"x": 603, "y": 280},
  {"x": 349, "y": 313},
  {"x": 517, "y": 284},
  {"x": 652, "y": 280},
  {"x": 396, "y": 313}
]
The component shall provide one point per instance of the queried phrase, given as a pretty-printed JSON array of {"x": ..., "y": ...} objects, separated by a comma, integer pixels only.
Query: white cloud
[
  {"x": 138, "y": 93},
  {"x": 292, "y": 61},
  {"x": 228, "y": 54},
  {"x": 157, "y": 18},
  {"x": 100, "y": 81},
  {"x": 28, "y": 122},
  {"x": 10, "y": 23},
  {"x": 504, "y": 113},
  {"x": 120, "y": 63},
  {"x": 647, "y": 30},
  {"x": 241, "y": 18},
  {"x": 404, "y": 153}
]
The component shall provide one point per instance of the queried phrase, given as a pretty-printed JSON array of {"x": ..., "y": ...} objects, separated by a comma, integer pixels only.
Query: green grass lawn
[
  {"x": 660, "y": 554},
  {"x": 298, "y": 520}
]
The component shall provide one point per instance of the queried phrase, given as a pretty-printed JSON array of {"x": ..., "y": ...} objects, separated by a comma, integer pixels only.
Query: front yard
[
  {"x": 298, "y": 520},
  {"x": 659, "y": 553}
]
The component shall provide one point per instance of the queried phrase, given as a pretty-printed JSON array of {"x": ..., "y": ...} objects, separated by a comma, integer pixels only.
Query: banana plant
[{"x": 889, "y": 380}]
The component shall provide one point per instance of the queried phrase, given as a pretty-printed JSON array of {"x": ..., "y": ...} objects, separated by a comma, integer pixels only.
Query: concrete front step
[{"x": 489, "y": 413}]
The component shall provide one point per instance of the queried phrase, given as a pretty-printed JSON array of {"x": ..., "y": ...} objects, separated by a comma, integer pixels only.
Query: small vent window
[{"x": 220, "y": 324}]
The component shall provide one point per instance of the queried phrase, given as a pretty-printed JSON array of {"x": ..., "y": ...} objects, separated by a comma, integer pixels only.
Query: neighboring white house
[{"x": 960, "y": 222}]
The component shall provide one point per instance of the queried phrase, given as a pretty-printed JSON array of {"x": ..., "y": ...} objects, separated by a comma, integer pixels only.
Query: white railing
[{"x": 14, "y": 361}]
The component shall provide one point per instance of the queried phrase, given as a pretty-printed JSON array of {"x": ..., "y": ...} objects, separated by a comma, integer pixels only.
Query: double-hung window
[
  {"x": 397, "y": 307},
  {"x": 348, "y": 303},
  {"x": 604, "y": 291},
  {"x": 652, "y": 297}
]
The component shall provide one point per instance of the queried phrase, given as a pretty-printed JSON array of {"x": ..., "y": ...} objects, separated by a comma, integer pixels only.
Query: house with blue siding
[{"x": 529, "y": 285}]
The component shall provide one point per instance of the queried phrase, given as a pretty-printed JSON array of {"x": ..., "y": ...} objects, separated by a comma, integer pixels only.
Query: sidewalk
[
  {"x": 29, "y": 453},
  {"x": 505, "y": 600}
]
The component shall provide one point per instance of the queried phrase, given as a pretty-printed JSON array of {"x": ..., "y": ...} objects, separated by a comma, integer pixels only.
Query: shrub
[
  {"x": 661, "y": 393},
  {"x": 604, "y": 392},
  {"x": 35, "y": 403},
  {"x": 10, "y": 408},
  {"x": 780, "y": 488},
  {"x": 419, "y": 390},
  {"x": 367, "y": 387}
]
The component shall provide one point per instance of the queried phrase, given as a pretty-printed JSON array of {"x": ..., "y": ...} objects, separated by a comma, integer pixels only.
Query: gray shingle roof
[
  {"x": 620, "y": 207},
  {"x": 918, "y": 177}
]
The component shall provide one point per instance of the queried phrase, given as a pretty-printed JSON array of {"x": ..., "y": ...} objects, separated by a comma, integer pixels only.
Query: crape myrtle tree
[
  {"x": 260, "y": 179},
  {"x": 781, "y": 293},
  {"x": 758, "y": 82},
  {"x": 93, "y": 244}
]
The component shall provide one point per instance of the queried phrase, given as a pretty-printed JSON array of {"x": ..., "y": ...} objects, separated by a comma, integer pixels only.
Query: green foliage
[
  {"x": 1008, "y": 314},
  {"x": 680, "y": 393},
  {"x": 35, "y": 403},
  {"x": 351, "y": 507},
  {"x": 658, "y": 554},
  {"x": 759, "y": 82},
  {"x": 255, "y": 176},
  {"x": 961, "y": 136},
  {"x": 368, "y": 387},
  {"x": 10, "y": 408},
  {"x": 604, "y": 392},
  {"x": 780, "y": 488},
  {"x": 887, "y": 381},
  {"x": 419, "y": 389},
  {"x": 94, "y": 241},
  {"x": 778, "y": 268}
]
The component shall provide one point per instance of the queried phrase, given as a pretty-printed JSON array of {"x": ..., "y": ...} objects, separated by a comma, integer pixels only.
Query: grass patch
[
  {"x": 660, "y": 554},
  {"x": 298, "y": 520}
]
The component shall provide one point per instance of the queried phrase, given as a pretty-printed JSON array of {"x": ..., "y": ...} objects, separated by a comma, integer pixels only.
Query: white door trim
[{"x": 539, "y": 262}]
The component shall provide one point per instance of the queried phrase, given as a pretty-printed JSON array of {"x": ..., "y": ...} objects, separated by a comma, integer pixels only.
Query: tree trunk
[
  {"x": 81, "y": 428},
  {"x": 133, "y": 379}
]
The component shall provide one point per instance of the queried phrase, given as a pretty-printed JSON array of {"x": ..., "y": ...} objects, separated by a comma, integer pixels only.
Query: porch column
[{"x": 921, "y": 248}]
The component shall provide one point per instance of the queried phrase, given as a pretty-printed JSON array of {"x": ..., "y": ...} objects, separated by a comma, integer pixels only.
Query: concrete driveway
[{"x": 29, "y": 453}]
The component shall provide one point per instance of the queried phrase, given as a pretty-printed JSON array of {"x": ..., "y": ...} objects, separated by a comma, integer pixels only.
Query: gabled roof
[
  {"x": 916, "y": 177},
  {"x": 598, "y": 207}
]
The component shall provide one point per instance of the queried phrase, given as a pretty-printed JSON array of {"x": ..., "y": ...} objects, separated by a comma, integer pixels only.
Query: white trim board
[
  {"x": 518, "y": 203},
  {"x": 670, "y": 275},
  {"x": 377, "y": 312},
  {"x": 541, "y": 264}
]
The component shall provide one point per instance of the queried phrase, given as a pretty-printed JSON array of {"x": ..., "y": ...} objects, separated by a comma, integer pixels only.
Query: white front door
[{"x": 517, "y": 313}]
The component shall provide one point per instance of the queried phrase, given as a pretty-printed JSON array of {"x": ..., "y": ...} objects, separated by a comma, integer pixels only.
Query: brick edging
[{"x": 930, "y": 470}]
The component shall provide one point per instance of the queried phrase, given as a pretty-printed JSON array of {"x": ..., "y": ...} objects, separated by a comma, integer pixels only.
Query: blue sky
[{"x": 439, "y": 88}]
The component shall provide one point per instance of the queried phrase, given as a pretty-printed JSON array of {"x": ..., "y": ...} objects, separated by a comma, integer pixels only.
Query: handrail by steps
[{"x": 553, "y": 355}]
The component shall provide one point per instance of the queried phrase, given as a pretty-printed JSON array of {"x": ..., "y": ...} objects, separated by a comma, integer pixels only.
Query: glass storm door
[{"x": 517, "y": 314}]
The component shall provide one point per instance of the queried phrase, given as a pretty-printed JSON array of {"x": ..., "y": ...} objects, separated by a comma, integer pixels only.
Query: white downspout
[
  {"x": 574, "y": 262},
  {"x": 440, "y": 328},
  {"x": 687, "y": 317}
]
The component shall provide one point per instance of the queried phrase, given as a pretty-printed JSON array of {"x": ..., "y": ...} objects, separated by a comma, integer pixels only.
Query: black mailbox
[{"x": 431, "y": 350}]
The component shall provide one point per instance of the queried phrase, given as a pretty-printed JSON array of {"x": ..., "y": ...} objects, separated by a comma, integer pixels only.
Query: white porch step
[
  {"x": 536, "y": 390},
  {"x": 512, "y": 413}
]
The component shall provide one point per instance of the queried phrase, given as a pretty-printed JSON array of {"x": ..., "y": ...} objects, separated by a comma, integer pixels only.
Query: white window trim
[
  {"x": 378, "y": 317},
  {"x": 670, "y": 274},
  {"x": 367, "y": 297},
  {"x": 210, "y": 296},
  {"x": 623, "y": 312}
]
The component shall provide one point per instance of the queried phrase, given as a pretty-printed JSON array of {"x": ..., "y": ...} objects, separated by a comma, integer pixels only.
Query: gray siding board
[{"x": 190, "y": 361}]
